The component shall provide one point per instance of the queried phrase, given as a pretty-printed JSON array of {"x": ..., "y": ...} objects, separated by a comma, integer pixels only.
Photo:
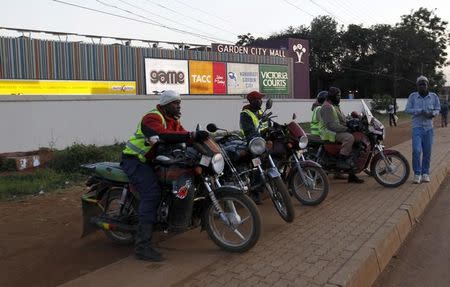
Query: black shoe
[
  {"x": 256, "y": 196},
  {"x": 143, "y": 249},
  {"x": 352, "y": 178},
  {"x": 148, "y": 254}
]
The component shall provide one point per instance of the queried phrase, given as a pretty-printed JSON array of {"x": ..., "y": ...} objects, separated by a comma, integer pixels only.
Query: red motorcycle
[{"x": 389, "y": 167}]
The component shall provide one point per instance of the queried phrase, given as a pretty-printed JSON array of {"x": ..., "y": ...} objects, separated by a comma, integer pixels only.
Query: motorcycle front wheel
[
  {"x": 242, "y": 228},
  {"x": 281, "y": 199},
  {"x": 391, "y": 173},
  {"x": 315, "y": 190}
]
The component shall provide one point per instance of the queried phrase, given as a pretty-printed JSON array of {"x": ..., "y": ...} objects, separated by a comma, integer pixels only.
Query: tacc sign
[{"x": 223, "y": 48}]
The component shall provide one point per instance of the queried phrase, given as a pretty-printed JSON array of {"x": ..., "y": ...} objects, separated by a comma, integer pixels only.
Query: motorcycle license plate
[
  {"x": 256, "y": 161},
  {"x": 205, "y": 160}
]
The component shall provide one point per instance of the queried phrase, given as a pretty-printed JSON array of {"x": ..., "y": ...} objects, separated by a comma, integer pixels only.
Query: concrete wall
[{"x": 30, "y": 122}]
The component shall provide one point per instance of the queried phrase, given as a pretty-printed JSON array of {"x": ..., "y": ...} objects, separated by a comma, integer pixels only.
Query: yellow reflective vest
[
  {"x": 326, "y": 134},
  {"x": 136, "y": 144},
  {"x": 264, "y": 125}
]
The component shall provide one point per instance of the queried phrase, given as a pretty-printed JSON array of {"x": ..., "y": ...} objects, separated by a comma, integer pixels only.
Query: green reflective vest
[
  {"x": 136, "y": 144},
  {"x": 326, "y": 134},
  {"x": 264, "y": 125},
  {"x": 315, "y": 121}
]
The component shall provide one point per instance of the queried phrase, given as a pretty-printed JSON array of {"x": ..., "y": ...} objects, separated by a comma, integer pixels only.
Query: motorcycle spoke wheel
[
  {"x": 113, "y": 211},
  {"x": 239, "y": 230},
  {"x": 391, "y": 172},
  {"x": 281, "y": 199},
  {"x": 313, "y": 192}
]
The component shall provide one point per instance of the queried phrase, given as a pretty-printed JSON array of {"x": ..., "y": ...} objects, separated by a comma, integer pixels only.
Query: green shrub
[
  {"x": 380, "y": 103},
  {"x": 7, "y": 164},
  {"x": 69, "y": 159}
]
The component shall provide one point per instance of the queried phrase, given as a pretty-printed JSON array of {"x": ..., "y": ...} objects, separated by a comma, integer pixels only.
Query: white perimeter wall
[{"x": 30, "y": 122}]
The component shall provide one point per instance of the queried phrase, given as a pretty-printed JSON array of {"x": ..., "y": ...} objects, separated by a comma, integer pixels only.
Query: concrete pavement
[{"x": 346, "y": 241}]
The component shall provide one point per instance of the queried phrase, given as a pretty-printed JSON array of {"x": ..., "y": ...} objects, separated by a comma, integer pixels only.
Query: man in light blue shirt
[{"x": 423, "y": 106}]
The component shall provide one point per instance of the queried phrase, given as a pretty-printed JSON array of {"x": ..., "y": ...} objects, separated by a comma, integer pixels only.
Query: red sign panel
[{"x": 219, "y": 78}]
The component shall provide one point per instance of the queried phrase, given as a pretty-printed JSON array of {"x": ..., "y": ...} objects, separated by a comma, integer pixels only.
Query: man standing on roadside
[{"x": 423, "y": 106}]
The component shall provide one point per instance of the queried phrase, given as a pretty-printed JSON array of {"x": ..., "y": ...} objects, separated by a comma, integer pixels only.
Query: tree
[{"x": 245, "y": 40}]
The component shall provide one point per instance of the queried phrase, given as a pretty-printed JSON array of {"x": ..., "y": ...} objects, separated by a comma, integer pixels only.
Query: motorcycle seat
[
  {"x": 313, "y": 139},
  {"x": 165, "y": 160}
]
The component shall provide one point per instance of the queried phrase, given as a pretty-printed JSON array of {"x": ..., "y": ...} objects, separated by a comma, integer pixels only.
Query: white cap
[
  {"x": 421, "y": 78},
  {"x": 169, "y": 96}
]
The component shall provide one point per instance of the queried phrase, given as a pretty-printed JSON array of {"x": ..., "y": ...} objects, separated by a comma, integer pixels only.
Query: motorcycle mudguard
[
  {"x": 273, "y": 172},
  {"x": 309, "y": 163},
  {"x": 90, "y": 208},
  {"x": 378, "y": 155}
]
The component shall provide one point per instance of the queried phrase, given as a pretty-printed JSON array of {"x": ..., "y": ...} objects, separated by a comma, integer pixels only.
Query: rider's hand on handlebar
[{"x": 199, "y": 135}]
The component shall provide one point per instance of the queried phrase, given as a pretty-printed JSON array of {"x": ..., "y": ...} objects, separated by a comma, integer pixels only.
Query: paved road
[{"x": 424, "y": 260}]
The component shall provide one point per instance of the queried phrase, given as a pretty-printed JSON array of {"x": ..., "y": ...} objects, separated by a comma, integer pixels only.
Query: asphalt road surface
[{"x": 424, "y": 259}]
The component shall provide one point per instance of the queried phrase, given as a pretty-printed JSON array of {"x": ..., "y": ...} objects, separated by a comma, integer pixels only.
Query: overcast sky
[{"x": 200, "y": 21}]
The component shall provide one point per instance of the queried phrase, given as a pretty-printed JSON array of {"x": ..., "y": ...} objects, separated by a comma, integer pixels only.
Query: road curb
[{"x": 363, "y": 268}]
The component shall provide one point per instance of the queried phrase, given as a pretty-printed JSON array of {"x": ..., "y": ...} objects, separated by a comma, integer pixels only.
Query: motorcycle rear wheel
[
  {"x": 240, "y": 210},
  {"x": 122, "y": 238},
  {"x": 281, "y": 199},
  {"x": 396, "y": 162},
  {"x": 315, "y": 194}
]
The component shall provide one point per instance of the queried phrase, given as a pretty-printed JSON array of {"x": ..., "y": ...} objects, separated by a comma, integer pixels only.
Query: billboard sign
[
  {"x": 242, "y": 78},
  {"x": 164, "y": 74},
  {"x": 60, "y": 87},
  {"x": 200, "y": 77},
  {"x": 274, "y": 79},
  {"x": 219, "y": 78}
]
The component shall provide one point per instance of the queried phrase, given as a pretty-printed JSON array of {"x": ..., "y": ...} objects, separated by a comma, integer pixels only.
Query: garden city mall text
[{"x": 250, "y": 50}]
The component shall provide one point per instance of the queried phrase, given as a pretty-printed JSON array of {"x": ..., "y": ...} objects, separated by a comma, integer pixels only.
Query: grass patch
[
  {"x": 62, "y": 171},
  {"x": 21, "y": 184}
]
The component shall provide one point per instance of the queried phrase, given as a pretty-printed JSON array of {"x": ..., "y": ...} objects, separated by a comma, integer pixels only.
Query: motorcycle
[
  {"x": 251, "y": 166},
  {"x": 389, "y": 167},
  {"x": 191, "y": 196},
  {"x": 307, "y": 180}
]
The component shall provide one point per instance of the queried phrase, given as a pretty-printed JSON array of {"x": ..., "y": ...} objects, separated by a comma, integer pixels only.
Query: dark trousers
[
  {"x": 143, "y": 178},
  {"x": 392, "y": 120}
]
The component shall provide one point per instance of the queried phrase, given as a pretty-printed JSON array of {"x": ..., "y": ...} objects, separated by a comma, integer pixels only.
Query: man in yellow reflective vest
[
  {"x": 162, "y": 122},
  {"x": 333, "y": 128},
  {"x": 250, "y": 116},
  {"x": 315, "y": 120},
  {"x": 251, "y": 127}
]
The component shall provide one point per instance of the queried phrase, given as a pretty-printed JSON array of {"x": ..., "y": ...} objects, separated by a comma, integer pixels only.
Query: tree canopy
[{"x": 381, "y": 59}]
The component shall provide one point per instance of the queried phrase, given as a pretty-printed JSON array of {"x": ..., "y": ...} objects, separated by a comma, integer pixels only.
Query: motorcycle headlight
[
  {"x": 303, "y": 142},
  {"x": 218, "y": 163},
  {"x": 257, "y": 146}
]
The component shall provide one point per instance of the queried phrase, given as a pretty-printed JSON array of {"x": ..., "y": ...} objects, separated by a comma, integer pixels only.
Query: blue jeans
[
  {"x": 422, "y": 140},
  {"x": 143, "y": 178}
]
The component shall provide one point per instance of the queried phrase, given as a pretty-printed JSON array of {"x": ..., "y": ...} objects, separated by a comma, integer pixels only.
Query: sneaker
[
  {"x": 417, "y": 178},
  {"x": 425, "y": 178}
]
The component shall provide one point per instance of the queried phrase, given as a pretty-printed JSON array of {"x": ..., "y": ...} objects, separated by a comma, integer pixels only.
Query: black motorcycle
[
  {"x": 192, "y": 196},
  {"x": 251, "y": 165}
]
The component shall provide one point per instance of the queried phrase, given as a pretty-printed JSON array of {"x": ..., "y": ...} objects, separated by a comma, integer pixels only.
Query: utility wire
[
  {"x": 189, "y": 17},
  {"x": 165, "y": 18},
  {"x": 203, "y": 11},
  {"x": 304, "y": 11},
  {"x": 340, "y": 6},
  {"x": 154, "y": 23},
  {"x": 326, "y": 11},
  {"x": 132, "y": 13}
]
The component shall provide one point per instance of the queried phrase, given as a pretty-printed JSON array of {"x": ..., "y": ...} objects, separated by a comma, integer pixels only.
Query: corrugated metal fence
[{"x": 25, "y": 58}]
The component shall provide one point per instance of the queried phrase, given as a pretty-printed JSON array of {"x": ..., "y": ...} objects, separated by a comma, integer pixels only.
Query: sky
[{"x": 199, "y": 21}]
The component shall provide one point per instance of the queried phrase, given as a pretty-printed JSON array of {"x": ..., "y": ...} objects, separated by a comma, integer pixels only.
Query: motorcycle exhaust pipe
[{"x": 113, "y": 225}]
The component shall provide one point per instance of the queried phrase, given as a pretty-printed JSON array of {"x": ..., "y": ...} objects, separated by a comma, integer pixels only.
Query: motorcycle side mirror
[
  {"x": 197, "y": 128},
  {"x": 212, "y": 128},
  {"x": 269, "y": 104},
  {"x": 294, "y": 116}
]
